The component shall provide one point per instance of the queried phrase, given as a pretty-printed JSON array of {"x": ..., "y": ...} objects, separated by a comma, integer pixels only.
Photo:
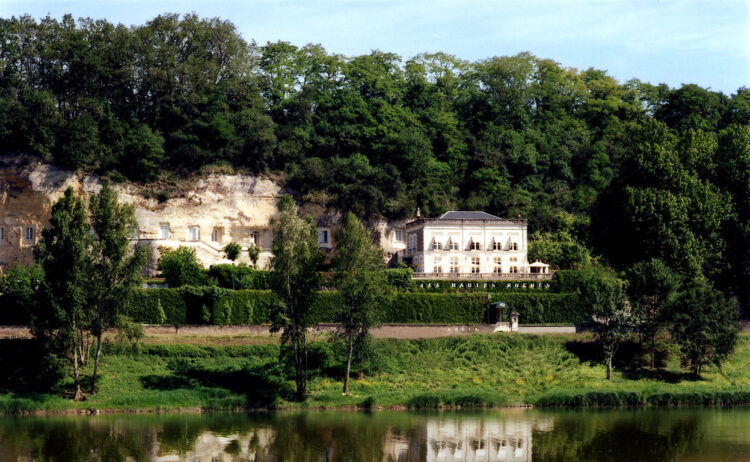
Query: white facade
[{"x": 474, "y": 244}]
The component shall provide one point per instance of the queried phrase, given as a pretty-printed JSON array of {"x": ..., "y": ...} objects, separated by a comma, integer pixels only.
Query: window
[
  {"x": 514, "y": 269},
  {"x": 2, "y": 234},
  {"x": 216, "y": 235},
  {"x": 194, "y": 233},
  {"x": 475, "y": 265},
  {"x": 497, "y": 245},
  {"x": 498, "y": 261},
  {"x": 454, "y": 265},
  {"x": 514, "y": 246},
  {"x": 164, "y": 231},
  {"x": 398, "y": 235},
  {"x": 513, "y": 259},
  {"x": 29, "y": 233},
  {"x": 476, "y": 245},
  {"x": 412, "y": 242},
  {"x": 323, "y": 236},
  {"x": 453, "y": 245},
  {"x": 437, "y": 264},
  {"x": 255, "y": 239},
  {"x": 436, "y": 245}
]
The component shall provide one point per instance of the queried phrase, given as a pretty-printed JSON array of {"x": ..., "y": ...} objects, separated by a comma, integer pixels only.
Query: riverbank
[{"x": 470, "y": 371}]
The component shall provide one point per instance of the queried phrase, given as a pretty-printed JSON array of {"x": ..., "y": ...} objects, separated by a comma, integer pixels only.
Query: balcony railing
[{"x": 486, "y": 276}]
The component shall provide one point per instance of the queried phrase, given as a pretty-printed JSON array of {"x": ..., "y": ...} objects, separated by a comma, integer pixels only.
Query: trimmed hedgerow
[
  {"x": 544, "y": 308},
  {"x": 239, "y": 277},
  {"x": 424, "y": 308}
]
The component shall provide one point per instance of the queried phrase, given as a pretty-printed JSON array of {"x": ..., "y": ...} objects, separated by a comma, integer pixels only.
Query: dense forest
[{"x": 623, "y": 171}]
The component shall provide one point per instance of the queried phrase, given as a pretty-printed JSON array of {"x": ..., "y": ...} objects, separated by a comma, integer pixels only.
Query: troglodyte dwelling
[{"x": 211, "y": 211}]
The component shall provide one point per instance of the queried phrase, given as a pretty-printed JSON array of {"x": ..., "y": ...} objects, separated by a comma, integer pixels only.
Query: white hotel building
[{"x": 473, "y": 245}]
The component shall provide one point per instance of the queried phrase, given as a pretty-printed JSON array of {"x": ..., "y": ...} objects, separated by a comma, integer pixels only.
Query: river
[{"x": 706, "y": 435}]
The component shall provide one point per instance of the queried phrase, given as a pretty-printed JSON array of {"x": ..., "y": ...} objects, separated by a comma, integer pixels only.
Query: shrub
[
  {"x": 239, "y": 277},
  {"x": 232, "y": 250},
  {"x": 181, "y": 267},
  {"x": 544, "y": 308},
  {"x": 400, "y": 278}
]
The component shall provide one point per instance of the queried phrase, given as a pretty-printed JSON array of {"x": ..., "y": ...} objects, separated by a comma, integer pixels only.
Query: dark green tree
[
  {"x": 253, "y": 251},
  {"x": 705, "y": 325},
  {"x": 180, "y": 267},
  {"x": 294, "y": 278},
  {"x": 65, "y": 293},
  {"x": 361, "y": 281},
  {"x": 232, "y": 250},
  {"x": 652, "y": 288},
  {"x": 116, "y": 265}
]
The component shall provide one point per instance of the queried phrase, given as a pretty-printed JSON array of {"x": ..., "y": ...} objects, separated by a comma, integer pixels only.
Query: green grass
[{"x": 472, "y": 371}]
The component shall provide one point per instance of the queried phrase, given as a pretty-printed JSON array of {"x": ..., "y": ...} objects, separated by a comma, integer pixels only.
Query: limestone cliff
[{"x": 207, "y": 213}]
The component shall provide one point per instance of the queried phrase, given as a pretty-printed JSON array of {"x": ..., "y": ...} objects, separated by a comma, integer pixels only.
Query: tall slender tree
[
  {"x": 64, "y": 254},
  {"x": 294, "y": 278},
  {"x": 116, "y": 265},
  {"x": 361, "y": 281}
]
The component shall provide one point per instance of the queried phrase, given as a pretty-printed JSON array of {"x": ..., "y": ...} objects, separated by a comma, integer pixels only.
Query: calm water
[{"x": 507, "y": 435}]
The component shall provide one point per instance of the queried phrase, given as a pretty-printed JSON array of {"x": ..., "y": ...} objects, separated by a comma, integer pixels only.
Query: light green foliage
[
  {"x": 181, "y": 267},
  {"x": 161, "y": 317},
  {"x": 232, "y": 250},
  {"x": 294, "y": 279},
  {"x": 362, "y": 285},
  {"x": 253, "y": 252}
]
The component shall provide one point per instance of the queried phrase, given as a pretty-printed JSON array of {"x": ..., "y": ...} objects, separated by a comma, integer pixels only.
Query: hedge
[
  {"x": 211, "y": 305},
  {"x": 239, "y": 277},
  {"x": 544, "y": 308}
]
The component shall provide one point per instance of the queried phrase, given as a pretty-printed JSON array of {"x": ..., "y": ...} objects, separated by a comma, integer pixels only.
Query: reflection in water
[{"x": 508, "y": 435}]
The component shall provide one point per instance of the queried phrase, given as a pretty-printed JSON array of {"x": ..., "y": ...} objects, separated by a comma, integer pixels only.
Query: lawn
[{"x": 477, "y": 370}]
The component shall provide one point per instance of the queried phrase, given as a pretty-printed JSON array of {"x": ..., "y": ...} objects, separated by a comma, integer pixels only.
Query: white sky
[{"x": 673, "y": 41}]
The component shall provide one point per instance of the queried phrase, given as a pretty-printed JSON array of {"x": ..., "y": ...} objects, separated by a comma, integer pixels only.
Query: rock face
[{"x": 210, "y": 212}]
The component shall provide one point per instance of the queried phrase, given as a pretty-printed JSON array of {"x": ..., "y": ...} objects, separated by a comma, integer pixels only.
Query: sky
[{"x": 706, "y": 42}]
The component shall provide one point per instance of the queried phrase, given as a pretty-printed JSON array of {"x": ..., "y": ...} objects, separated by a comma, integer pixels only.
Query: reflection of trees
[
  {"x": 625, "y": 435},
  {"x": 74, "y": 439}
]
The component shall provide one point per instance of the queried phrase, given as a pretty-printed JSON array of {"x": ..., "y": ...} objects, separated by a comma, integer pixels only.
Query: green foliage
[
  {"x": 239, "y": 277},
  {"x": 545, "y": 308},
  {"x": 232, "y": 250},
  {"x": 253, "y": 251},
  {"x": 18, "y": 294},
  {"x": 400, "y": 278},
  {"x": 181, "y": 267},
  {"x": 294, "y": 279},
  {"x": 705, "y": 325}
]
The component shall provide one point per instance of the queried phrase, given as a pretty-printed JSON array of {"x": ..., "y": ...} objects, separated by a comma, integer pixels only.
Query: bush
[
  {"x": 400, "y": 278},
  {"x": 181, "y": 267},
  {"x": 437, "y": 308},
  {"x": 239, "y": 277},
  {"x": 232, "y": 250}
]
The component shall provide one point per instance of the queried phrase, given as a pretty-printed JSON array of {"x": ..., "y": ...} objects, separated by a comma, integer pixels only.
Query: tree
[
  {"x": 232, "y": 250},
  {"x": 705, "y": 325},
  {"x": 253, "y": 251},
  {"x": 294, "y": 278},
  {"x": 652, "y": 287},
  {"x": 611, "y": 317},
  {"x": 181, "y": 267},
  {"x": 116, "y": 265},
  {"x": 64, "y": 254},
  {"x": 361, "y": 281}
]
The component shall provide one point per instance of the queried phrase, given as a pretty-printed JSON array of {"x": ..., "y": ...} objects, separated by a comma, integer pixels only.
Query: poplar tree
[
  {"x": 64, "y": 254},
  {"x": 116, "y": 266},
  {"x": 294, "y": 279},
  {"x": 361, "y": 282}
]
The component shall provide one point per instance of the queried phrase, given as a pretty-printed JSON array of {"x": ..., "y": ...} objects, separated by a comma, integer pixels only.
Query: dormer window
[
  {"x": 436, "y": 245},
  {"x": 514, "y": 246},
  {"x": 452, "y": 245},
  {"x": 497, "y": 245},
  {"x": 475, "y": 245}
]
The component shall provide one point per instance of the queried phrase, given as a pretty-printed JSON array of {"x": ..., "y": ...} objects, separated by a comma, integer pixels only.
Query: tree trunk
[
  {"x": 99, "y": 333},
  {"x": 349, "y": 361},
  {"x": 78, "y": 394},
  {"x": 653, "y": 348},
  {"x": 609, "y": 367}
]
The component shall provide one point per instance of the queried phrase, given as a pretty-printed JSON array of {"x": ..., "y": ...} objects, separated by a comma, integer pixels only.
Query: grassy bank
[{"x": 476, "y": 371}]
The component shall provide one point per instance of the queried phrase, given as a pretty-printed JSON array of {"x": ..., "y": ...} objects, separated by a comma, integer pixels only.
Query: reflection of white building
[
  {"x": 475, "y": 440},
  {"x": 471, "y": 245}
]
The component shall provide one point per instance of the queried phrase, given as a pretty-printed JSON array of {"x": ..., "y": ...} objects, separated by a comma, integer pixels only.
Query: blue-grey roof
[{"x": 461, "y": 215}]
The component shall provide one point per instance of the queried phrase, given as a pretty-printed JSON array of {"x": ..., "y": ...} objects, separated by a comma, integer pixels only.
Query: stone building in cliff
[{"x": 205, "y": 215}]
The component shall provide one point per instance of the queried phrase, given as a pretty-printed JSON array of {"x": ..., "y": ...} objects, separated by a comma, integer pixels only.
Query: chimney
[{"x": 419, "y": 214}]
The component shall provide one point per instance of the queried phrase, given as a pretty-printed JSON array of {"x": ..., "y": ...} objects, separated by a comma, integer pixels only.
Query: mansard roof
[{"x": 457, "y": 216}]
